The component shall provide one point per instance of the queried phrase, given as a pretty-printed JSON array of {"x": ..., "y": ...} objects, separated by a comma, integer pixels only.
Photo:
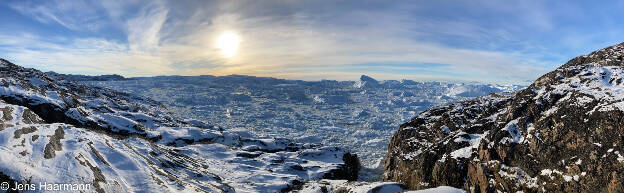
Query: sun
[{"x": 228, "y": 44}]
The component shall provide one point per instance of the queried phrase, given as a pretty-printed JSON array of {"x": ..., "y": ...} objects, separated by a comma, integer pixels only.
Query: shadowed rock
[{"x": 54, "y": 144}]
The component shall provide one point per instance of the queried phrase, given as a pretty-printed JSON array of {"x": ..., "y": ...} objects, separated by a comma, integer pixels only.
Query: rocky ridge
[{"x": 564, "y": 133}]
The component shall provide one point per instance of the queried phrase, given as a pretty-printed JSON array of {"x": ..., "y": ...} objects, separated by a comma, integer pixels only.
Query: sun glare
[{"x": 228, "y": 44}]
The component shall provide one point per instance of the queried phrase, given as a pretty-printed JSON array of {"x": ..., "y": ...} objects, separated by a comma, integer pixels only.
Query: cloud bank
[{"x": 484, "y": 41}]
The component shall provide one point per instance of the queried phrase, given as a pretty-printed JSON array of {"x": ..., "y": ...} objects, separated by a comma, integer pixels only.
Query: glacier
[{"x": 361, "y": 115}]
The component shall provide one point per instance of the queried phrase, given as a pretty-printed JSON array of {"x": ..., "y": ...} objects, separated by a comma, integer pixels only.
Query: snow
[
  {"x": 330, "y": 112},
  {"x": 473, "y": 142},
  {"x": 354, "y": 187},
  {"x": 620, "y": 158},
  {"x": 513, "y": 130},
  {"x": 369, "y": 187},
  {"x": 35, "y": 97},
  {"x": 550, "y": 111},
  {"x": 121, "y": 142},
  {"x": 516, "y": 174},
  {"x": 549, "y": 173},
  {"x": 581, "y": 101},
  {"x": 593, "y": 83},
  {"x": 570, "y": 178},
  {"x": 386, "y": 187},
  {"x": 412, "y": 155},
  {"x": 445, "y": 129},
  {"x": 133, "y": 164},
  {"x": 441, "y": 189},
  {"x": 124, "y": 143},
  {"x": 318, "y": 99},
  {"x": 177, "y": 135}
]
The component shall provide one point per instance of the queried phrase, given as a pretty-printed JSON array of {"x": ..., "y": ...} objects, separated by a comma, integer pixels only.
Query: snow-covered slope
[
  {"x": 338, "y": 186},
  {"x": 56, "y": 131},
  {"x": 564, "y": 133}
]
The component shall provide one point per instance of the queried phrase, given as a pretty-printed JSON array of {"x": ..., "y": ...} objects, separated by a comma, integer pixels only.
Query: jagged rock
[
  {"x": 348, "y": 171},
  {"x": 564, "y": 133}
]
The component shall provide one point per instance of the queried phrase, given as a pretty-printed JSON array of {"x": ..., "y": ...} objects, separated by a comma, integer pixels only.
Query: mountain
[
  {"x": 73, "y": 77},
  {"x": 564, "y": 133},
  {"x": 64, "y": 134}
]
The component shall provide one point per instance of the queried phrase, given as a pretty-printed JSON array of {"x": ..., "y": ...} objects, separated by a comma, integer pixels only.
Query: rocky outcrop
[
  {"x": 564, "y": 133},
  {"x": 348, "y": 171}
]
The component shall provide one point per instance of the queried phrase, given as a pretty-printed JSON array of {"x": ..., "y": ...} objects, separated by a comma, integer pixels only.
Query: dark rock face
[
  {"x": 564, "y": 133},
  {"x": 55, "y": 143},
  {"x": 348, "y": 171},
  {"x": 11, "y": 181}
]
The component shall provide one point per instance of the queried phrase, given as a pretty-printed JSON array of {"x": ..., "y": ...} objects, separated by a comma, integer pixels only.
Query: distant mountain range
[{"x": 73, "y": 77}]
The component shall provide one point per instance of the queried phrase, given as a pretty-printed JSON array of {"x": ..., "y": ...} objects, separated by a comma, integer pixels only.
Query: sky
[{"x": 505, "y": 42}]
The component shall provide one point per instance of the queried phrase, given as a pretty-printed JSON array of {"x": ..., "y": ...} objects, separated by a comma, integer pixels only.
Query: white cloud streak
[{"x": 299, "y": 40}]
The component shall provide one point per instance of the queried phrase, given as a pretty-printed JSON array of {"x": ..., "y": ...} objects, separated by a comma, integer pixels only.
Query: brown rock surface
[{"x": 563, "y": 133}]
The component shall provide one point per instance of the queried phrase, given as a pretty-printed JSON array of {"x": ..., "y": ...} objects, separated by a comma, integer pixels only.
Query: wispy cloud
[
  {"x": 73, "y": 14},
  {"x": 485, "y": 41},
  {"x": 144, "y": 29}
]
